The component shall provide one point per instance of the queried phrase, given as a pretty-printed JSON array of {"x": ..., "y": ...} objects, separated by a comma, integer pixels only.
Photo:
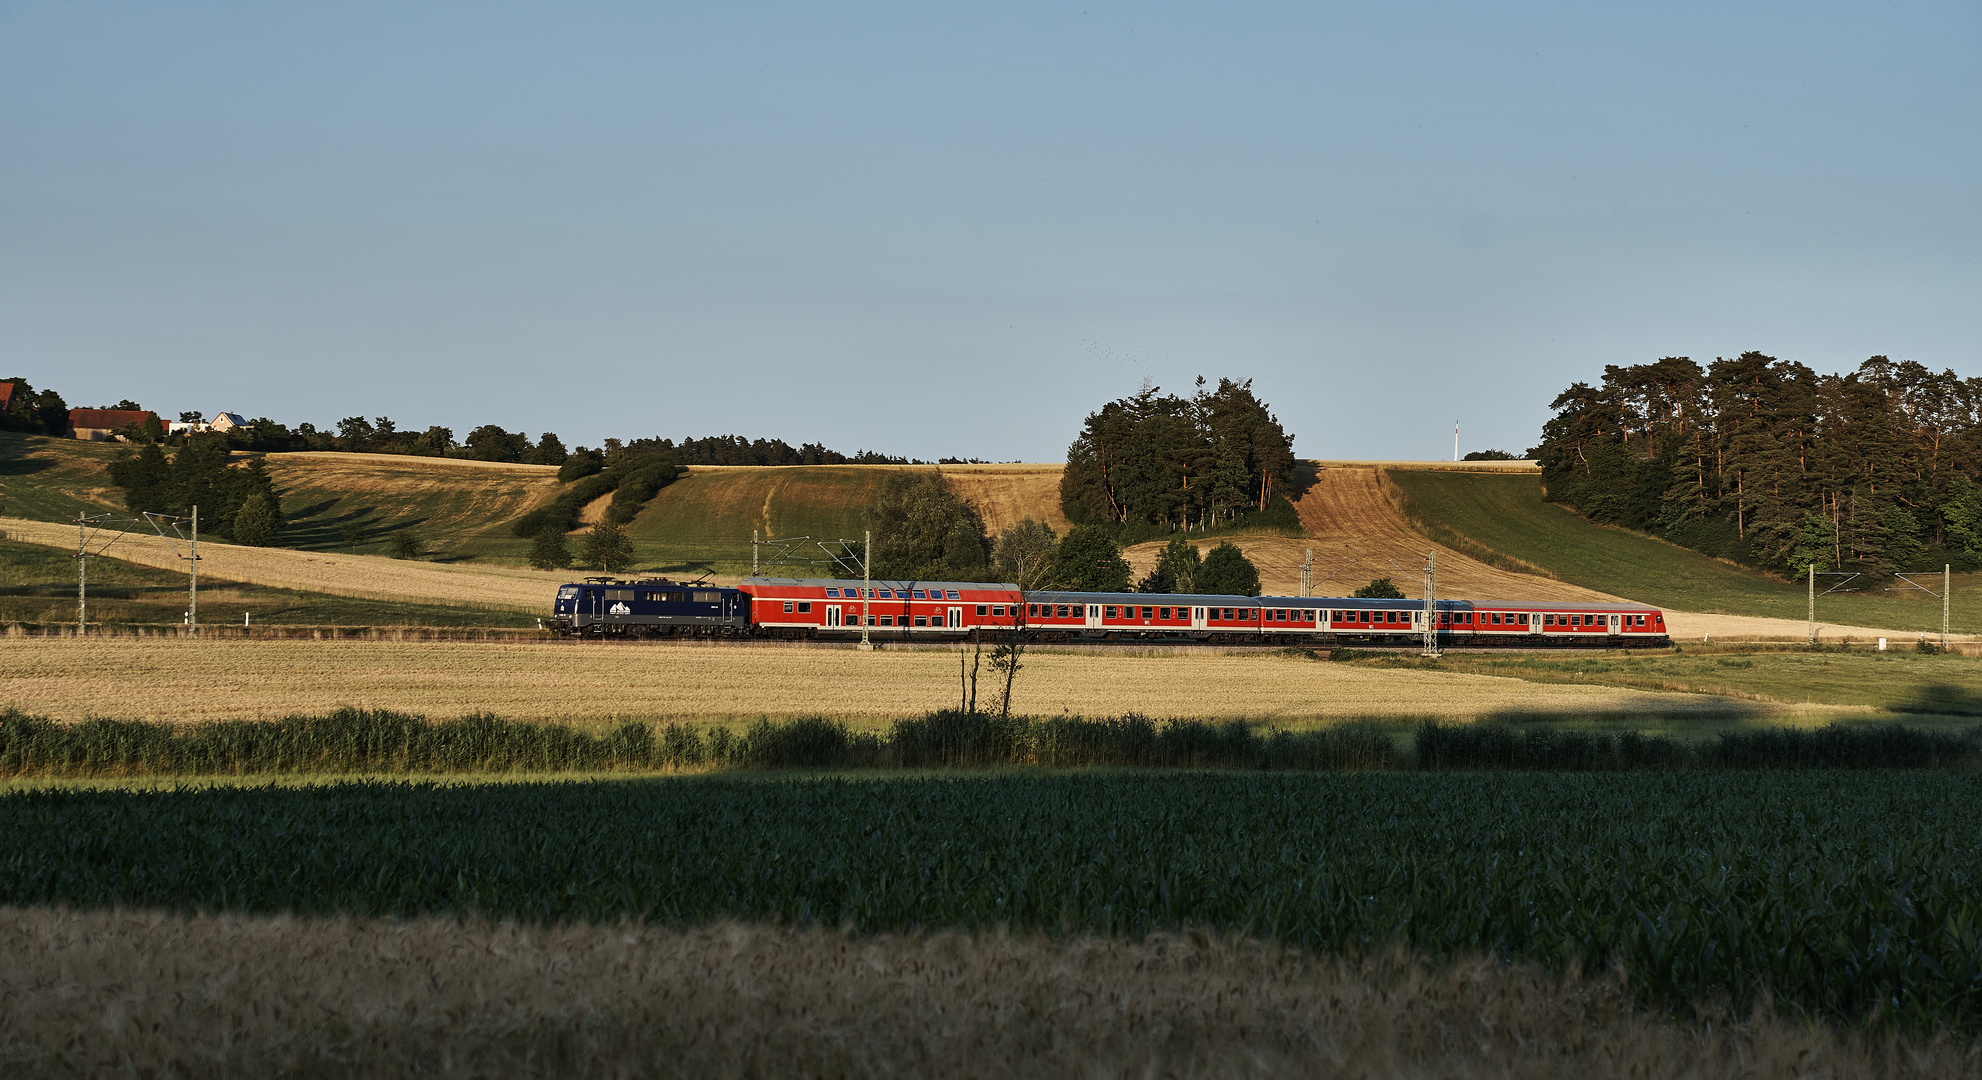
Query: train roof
[
  {"x": 1196, "y": 599},
  {"x": 1563, "y": 605},
  {"x": 878, "y": 583},
  {"x": 598, "y": 581}
]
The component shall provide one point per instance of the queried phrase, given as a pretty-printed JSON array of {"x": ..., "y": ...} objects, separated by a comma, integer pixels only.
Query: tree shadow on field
[
  {"x": 1941, "y": 699},
  {"x": 1731, "y": 712},
  {"x": 21, "y": 465}
]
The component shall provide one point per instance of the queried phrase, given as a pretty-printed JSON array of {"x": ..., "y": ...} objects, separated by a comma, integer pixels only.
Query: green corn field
[
  {"x": 368, "y": 741},
  {"x": 1851, "y": 894}
]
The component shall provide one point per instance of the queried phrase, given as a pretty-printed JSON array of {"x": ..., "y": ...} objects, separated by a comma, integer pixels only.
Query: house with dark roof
[{"x": 101, "y": 425}]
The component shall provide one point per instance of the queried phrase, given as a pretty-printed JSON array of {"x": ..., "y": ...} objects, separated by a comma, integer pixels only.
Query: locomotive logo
[{"x": 619, "y": 609}]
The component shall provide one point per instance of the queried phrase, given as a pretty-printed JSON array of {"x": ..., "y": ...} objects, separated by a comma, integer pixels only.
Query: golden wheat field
[
  {"x": 141, "y": 993},
  {"x": 587, "y": 682}
]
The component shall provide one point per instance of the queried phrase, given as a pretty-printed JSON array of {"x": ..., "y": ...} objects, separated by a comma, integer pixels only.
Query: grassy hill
[
  {"x": 459, "y": 510},
  {"x": 1506, "y": 513},
  {"x": 55, "y": 479},
  {"x": 703, "y": 521}
]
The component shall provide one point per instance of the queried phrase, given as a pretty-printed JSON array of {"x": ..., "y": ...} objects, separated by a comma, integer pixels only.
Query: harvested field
[
  {"x": 218, "y": 995},
  {"x": 368, "y": 577},
  {"x": 1008, "y": 494},
  {"x": 178, "y": 679},
  {"x": 1358, "y": 535},
  {"x": 1687, "y": 626}
]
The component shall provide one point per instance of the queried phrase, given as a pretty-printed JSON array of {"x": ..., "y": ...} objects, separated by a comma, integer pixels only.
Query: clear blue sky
[{"x": 955, "y": 229}]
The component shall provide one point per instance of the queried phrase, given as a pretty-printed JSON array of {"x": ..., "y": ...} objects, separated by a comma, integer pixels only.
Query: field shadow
[
  {"x": 1737, "y": 712},
  {"x": 23, "y": 466},
  {"x": 1941, "y": 698}
]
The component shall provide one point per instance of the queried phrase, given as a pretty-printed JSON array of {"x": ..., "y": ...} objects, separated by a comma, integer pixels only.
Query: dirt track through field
[{"x": 369, "y": 577}]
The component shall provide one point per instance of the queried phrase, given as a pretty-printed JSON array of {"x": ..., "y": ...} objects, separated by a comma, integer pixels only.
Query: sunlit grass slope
[
  {"x": 55, "y": 479},
  {"x": 1507, "y": 514},
  {"x": 703, "y": 520},
  {"x": 457, "y": 509}
]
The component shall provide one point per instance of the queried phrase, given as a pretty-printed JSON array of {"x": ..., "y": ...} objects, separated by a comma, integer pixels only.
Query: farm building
[
  {"x": 100, "y": 425},
  {"x": 226, "y": 421}
]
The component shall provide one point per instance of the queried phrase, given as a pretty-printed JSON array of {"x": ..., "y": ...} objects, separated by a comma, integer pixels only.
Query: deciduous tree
[{"x": 1227, "y": 572}]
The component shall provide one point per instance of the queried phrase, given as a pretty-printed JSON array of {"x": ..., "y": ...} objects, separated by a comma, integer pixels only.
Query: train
[{"x": 896, "y": 611}]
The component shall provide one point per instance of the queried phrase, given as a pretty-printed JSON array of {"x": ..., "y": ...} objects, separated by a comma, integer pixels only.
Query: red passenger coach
[
  {"x": 827, "y": 608},
  {"x": 1551, "y": 622},
  {"x": 896, "y": 610}
]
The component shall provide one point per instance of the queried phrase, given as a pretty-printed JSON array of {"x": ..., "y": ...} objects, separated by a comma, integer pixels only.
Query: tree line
[
  {"x": 1153, "y": 463},
  {"x": 1768, "y": 463},
  {"x": 924, "y": 530},
  {"x": 237, "y": 501}
]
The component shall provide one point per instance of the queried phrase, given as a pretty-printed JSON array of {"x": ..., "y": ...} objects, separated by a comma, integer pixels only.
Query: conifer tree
[{"x": 255, "y": 524}]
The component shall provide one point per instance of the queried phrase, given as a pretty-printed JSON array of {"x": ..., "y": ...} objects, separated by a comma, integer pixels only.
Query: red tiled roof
[
  {"x": 106, "y": 418},
  {"x": 6, "y": 394}
]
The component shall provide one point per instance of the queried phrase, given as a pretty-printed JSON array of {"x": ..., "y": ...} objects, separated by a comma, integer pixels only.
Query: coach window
[
  {"x": 953, "y": 594},
  {"x": 887, "y": 620},
  {"x": 787, "y": 607},
  {"x": 983, "y": 610},
  {"x": 1110, "y": 612},
  {"x": 804, "y": 606},
  {"x": 922, "y": 620},
  {"x": 1147, "y": 613},
  {"x": 1061, "y": 611},
  {"x": 834, "y": 593},
  {"x": 997, "y": 611},
  {"x": 1032, "y": 609}
]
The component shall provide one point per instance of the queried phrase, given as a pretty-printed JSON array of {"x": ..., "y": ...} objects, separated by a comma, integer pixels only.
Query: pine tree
[{"x": 255, "y": 524}]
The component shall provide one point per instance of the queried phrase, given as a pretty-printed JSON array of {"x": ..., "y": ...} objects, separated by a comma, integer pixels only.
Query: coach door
[
  {"x": 956, "y": 618},
  {"x": 833, "y": 615},
  {"x": 1614, "y": 619},
  {"x": 1094, "y": 616},
  {"x": 1197, "y": 618},
  {"x": 1534, "y": 622}
]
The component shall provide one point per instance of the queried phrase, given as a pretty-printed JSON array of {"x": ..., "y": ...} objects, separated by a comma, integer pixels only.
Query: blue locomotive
[{"x": 650, "y": 607}]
